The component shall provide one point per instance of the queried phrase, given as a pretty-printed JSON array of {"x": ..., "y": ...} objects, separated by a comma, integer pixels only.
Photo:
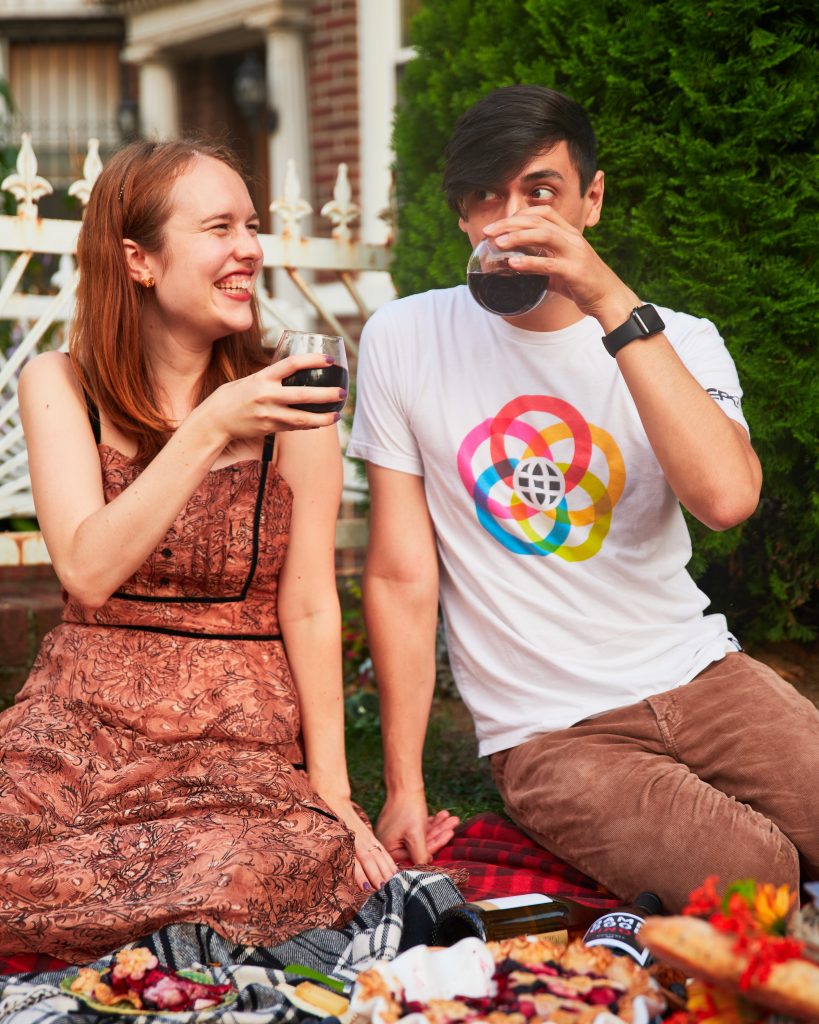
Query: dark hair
[
  {"x": 500, "y": 133},
  {"x": 132, "y": 199}
]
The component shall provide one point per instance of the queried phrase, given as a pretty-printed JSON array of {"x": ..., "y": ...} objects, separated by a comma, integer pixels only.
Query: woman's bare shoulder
[
  {"x": 50, "y": 373},
  {"x": 50, "y": 366}
]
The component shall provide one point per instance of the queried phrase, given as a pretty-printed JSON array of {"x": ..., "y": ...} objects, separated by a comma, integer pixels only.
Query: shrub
[{"x": 706, "y": 118}]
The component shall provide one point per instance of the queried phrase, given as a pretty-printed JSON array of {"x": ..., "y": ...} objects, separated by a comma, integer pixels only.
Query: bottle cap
[{"x": 650, "y": 902}]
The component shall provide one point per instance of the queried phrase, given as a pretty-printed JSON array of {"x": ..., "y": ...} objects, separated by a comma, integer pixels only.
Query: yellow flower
[
  {"x": 772, "y": 905},
  {"x": 713, "y": 1006}
]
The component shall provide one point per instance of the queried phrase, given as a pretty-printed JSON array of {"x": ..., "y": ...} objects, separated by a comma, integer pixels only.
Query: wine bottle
[
  {"x": 557, "y": 920},
  {"x": 618, "y": 929}
]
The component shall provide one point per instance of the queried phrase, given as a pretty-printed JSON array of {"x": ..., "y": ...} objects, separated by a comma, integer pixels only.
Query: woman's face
[{"x": 205, "y": 274}]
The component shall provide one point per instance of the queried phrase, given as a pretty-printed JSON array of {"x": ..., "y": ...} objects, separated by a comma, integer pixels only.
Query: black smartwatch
[{"x": 643, "y": 322}]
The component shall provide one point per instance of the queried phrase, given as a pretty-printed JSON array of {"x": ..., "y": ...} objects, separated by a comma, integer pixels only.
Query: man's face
[{"x": 548, "y": 179}]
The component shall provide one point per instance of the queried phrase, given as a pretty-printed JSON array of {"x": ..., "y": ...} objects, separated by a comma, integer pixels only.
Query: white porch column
[
  {"x": 287, "y": 94},
  {"x": 379, "y": 37},
  {"x": 158, "y": 100}
]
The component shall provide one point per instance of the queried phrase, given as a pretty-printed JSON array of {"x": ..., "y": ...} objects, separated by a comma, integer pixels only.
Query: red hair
[{"x": 131, "y": 199}]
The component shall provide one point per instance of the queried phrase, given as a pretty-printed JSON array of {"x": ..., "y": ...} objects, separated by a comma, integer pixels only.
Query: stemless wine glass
[
  {"x": 498, "y": 287},
  {"x": 333, "y": 375}
]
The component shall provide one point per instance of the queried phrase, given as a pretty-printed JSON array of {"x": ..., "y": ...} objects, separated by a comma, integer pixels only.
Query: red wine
[
  {"x": 322, "y": 377},
  {"x": 507, "y": 293}
]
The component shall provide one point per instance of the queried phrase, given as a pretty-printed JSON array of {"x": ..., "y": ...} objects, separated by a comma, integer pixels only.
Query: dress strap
[
  {"x": 93, "y": 411},
  {"x": 267, "y": 451},
  {"x": 93, "y": 415}
]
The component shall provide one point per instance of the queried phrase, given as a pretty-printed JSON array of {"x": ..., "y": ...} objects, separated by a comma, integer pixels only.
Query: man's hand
[
  {"x": 572, "y": 265},
  {"x": 409, "y": 833},
  {"x": 440, "y": 829}
]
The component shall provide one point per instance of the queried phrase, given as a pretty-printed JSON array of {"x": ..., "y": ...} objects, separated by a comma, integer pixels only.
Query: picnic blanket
[{"x": 501, "y": 861}]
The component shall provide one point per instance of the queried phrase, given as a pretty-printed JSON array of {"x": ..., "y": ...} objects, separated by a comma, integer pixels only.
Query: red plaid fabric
[
  {"x": 503, "y": 861},
  {"x": 30, "y": 963}
]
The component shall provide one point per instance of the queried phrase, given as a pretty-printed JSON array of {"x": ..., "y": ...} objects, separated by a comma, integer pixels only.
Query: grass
[{"x": 455, "y": 778}]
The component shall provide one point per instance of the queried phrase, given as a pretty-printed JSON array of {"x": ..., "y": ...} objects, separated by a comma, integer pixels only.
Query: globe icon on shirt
[{"x": 539, "y": 483}]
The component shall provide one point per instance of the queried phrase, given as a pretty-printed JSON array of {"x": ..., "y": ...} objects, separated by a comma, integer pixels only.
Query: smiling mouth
[{"x": 235, "y": 285}]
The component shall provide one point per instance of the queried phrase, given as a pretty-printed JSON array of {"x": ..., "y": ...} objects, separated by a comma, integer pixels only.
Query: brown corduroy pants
[{"x": 717, "y": 777}]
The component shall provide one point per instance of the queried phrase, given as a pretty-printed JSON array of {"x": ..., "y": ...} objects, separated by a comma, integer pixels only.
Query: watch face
[{"x": 648, "y": 319}]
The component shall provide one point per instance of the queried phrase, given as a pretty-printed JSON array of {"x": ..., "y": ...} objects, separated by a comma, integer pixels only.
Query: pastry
[
  {"x": 534, "y": 982},
  {"x": 701, "y": 951}
]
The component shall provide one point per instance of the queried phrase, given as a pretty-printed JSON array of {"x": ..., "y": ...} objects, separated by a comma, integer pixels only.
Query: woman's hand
[
  {"x": 373, "y": 864},
  {"x": 261, "y": 404}
]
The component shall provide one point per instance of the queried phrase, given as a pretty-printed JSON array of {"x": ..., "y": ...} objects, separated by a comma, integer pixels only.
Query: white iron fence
[{"x": 39, "y": 320}]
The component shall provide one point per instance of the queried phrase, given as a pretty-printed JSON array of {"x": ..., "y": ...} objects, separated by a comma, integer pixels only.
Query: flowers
[
  {"x": 133, "y": 963},
  {"x": 773, "y": 907},
  {"x": 756, "y": 915}
]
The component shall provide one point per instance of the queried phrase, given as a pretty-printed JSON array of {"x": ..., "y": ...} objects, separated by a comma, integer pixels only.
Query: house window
[{"x": 64, "y": 93}]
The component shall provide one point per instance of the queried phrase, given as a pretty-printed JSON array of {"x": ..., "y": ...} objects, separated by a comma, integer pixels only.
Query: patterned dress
[{"x": 151, "y": 769}]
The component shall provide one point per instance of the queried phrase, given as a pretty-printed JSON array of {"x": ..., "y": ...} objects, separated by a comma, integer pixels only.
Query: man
[{"x": 542, "y": 469}]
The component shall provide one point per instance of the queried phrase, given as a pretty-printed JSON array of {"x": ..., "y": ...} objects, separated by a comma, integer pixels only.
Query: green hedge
[{"x": 706, "y": 117}]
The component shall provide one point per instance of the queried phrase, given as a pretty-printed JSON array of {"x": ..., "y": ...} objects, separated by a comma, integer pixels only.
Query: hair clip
[{"x": 122, "y": 188}]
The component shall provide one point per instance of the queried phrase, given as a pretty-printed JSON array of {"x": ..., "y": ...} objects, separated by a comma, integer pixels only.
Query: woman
[{"x": 166, "y": 760}]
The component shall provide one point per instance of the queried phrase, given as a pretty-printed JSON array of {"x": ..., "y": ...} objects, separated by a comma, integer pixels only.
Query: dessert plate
[{"x": 125, "y": 1009}]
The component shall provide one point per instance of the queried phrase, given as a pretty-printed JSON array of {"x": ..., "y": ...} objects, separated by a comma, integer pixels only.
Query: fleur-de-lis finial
[
  {"x": 341, "y": 210},
  {"x": 81, "y": 188},
  {"x": 292, "y": 208},
  {"x": 26, "y": 186},
  {"x": 390, "y": 212}
]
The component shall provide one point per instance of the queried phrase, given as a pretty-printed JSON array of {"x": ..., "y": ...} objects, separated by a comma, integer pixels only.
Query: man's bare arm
[{"x": 401, "y": 610}]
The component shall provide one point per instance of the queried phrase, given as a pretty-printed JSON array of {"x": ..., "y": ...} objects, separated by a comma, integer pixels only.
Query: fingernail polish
[
  {"x": 329, "y": 359},
  {"x": 342, "y": 393},
  {"x": 337, "y": 417},
  {"x": 367, "y": 887}
]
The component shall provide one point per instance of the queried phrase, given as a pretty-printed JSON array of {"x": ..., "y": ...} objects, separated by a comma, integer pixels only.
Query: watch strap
[{"x": 643, "y": 322}]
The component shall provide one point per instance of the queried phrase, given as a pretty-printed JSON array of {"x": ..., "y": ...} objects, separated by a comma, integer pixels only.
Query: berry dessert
[
  {"x": 535, "y": 982},
  {"x": 136, "y": 979}
]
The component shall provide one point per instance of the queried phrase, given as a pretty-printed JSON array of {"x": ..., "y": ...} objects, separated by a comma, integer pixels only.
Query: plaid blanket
[
  {"x": 503, "y": 861},
  {"x": 500, "y": 860}
]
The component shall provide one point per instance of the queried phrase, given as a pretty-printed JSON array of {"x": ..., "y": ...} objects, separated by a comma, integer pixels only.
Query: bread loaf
[{"x": 701, "y": 951}]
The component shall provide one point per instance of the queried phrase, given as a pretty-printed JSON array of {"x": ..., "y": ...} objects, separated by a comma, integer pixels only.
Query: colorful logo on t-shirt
[{"x": 544, "y": 481}]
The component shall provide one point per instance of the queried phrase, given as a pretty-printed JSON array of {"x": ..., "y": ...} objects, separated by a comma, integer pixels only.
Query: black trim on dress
[
  {"x": 267, "y": 455},
  {"x": 170, "y": 631}
]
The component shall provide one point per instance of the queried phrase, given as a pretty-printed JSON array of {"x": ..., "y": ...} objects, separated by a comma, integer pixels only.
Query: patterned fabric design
[{"x": 148, "y": 778}]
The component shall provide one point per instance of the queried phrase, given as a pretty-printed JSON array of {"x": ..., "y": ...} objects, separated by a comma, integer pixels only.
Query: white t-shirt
[{"x": 562, "y": 548}]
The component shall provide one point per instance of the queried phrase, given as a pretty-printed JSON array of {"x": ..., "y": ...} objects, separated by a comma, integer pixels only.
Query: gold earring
[{"x": 147, "y": 281}]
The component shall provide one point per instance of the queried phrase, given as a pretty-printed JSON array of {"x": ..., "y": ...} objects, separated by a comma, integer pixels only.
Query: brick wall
[
  {"x": 30, "y": 605},
  {"x": 333, "y": 82}
]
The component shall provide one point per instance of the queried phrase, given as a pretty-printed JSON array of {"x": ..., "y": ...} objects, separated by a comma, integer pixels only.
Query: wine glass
[
  {"x": 333, "y": 375},
  {"x": 498, "y": 287}
]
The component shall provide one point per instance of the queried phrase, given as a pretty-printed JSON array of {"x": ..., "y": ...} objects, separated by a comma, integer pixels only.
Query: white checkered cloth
[{"x": 398, "y": 916}]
